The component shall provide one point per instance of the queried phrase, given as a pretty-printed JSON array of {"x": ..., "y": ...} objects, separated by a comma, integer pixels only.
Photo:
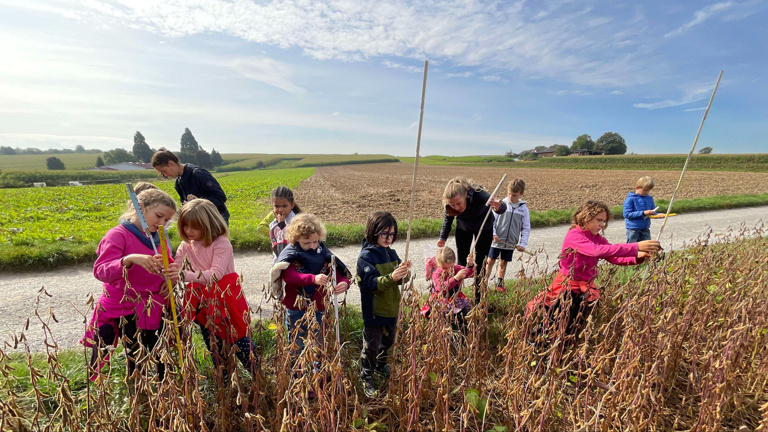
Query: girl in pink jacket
[
  {"x": 131, "y": 304},
  {"x": 446, "y": 277},
  {"x": 583, "y": 247}
]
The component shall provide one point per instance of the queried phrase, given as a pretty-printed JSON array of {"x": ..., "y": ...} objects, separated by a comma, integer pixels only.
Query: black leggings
[
  {"x": 483, "y": 246},
  {"x": 579, "y": 309},
  {"x": 132, "y": 343},
  {"x": 243, "y": 354}
]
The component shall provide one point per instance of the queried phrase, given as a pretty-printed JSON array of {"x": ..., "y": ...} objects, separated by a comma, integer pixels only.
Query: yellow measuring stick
[{"x": 164, "y": 251}]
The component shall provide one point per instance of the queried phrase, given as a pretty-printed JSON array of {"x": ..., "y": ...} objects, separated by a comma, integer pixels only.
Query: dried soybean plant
[{"x": 684, "y": 349}]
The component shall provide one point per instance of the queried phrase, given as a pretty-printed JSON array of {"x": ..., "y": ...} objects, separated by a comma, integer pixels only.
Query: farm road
[{"x": 70, "y": 287}]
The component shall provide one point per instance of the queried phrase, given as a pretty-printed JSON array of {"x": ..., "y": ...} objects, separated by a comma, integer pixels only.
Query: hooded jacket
[
  {"x": 379, "y": 293},
  {"x": 513, "y": 226},
  {"x": 472, "y": 217},
  {"x": 634, "y": 206},
  {"x": 299, "y": 275},
  {"x": 200, "y": 183}
]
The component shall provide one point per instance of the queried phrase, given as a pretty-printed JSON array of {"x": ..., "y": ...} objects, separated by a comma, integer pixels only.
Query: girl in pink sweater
[
  {"x": 583, "y": 247},
  {"x": 446, "y": 277},
  {"x": 214, "y": 298},
  {"x": 134, "y": 294}
]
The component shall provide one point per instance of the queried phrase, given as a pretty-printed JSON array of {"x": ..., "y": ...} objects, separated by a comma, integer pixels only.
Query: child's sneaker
[
  {"x": 384, "y": 370},
  {"x": 500, "y": 286},
  {"x": 369, "y": 387}
]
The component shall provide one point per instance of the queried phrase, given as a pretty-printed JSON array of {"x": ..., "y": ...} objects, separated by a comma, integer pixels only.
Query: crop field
[
  {"x": 55, "y": 219},
  {"x": 680, "y": 343},
  {"x": 72, "y": 161},
  {"x": 347, "y": 194},
  {"x": 251, "y": 161},
  {"x": 757, "y": 162}
]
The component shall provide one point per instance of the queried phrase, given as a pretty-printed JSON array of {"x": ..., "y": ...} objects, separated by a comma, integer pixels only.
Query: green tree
[
  {"x": 705, "y": 150},
  {"x": 204, "y": 159},
  {"x": 79, "y": 149},
  {"x": 562, "y": 150},
  {"x": 216, "y": 158},
  {"x": 260, "y": 165},
  {"x": 54, "y": 163},
  {"x": 611, "y": 143},
  {"x": 188, "y": 142},
  {"x": 118, "y": 155},
  {"x": 7, "y": 151},
  {"x": 583, "y": 142},
  {"x": 141, "y": 149},
  {"x": 99, "y": 161}
]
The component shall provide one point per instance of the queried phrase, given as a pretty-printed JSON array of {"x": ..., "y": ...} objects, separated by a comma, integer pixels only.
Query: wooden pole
[
  {"x": 164, "y": 251},
  {"x": 416, "y": 162},
  {"x": 495, "y": 191},
  {"x": 688, "y": 159}
]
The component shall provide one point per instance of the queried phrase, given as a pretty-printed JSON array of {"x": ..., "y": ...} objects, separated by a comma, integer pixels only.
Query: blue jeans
[
  {"x": 292, "y": 318},
  {"x": 634, "y": 236}
]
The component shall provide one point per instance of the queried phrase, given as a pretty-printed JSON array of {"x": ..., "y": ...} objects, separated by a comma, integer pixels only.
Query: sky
[{"x": 310, "y": 76}]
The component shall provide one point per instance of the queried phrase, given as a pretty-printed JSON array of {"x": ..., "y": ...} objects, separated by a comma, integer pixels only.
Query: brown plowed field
[{"x": 348, "y": 194}]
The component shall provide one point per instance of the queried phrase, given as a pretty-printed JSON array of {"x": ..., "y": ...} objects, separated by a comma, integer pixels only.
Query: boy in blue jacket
[{"x": 638, "y": 207}]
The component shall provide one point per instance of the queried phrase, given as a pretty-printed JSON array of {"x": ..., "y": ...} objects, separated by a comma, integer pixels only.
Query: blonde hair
[
  {"x": 588, "y": 211},
  {"x": 142, "y": 186},
  {"x": 201, "y": 214},
  {"x": 516, "y": 186},
  {"x": 445, "y": 255},
  {"x": 150, "y": 198},
  {"x": 304, "y": 225},
  {"x": 459, "y": 186},
  {"x": 645, "y": 183}
]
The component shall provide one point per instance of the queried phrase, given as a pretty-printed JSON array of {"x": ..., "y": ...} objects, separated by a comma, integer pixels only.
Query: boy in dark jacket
[
  {"x": 379, "y": 274},
  {"x": 191, "y": 181},
  {"x": 637, "y": 207}
]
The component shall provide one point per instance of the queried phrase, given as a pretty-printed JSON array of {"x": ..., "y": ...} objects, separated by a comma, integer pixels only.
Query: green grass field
[
  {"x": 244, "y": 161},
  {"x": 713, "y": 162},
  {"x": 72, "y": 161}
]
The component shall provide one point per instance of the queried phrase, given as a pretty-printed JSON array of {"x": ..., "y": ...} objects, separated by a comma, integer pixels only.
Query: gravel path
[{"x": 69, "y": 288}]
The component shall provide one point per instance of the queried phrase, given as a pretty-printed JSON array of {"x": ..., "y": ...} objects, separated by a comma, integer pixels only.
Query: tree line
[
  {"x": 191, "y": 152},
  {"x": 10, "y": 151}
]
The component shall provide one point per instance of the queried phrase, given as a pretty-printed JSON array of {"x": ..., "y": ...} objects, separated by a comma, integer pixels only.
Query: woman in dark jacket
[{"x": 469, "y": 203}]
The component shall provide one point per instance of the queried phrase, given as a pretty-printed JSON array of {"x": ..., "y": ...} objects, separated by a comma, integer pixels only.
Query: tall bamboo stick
[
  {"x": 416, "y": 162},
  {"x": 688, "y": 159}
]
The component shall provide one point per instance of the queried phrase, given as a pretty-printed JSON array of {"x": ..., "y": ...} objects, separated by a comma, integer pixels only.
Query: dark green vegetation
[
  {"x": 705, "y": 162},
  {"x": 249, "y": 161},
  {"x": 680, "y": 343}
]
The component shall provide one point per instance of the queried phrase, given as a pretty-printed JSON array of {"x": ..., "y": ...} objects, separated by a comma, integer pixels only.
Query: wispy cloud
[
  {"x": 691, "y": 95},
  {"x": 695, "y": 109},
  {"x": 267, "y": 71},
  {"x": 700, "y": 16},
  {"x": 494, "y": 36}
]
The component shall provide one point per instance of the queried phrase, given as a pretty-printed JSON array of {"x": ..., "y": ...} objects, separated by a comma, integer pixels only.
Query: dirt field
[{"x": 347, "y": 194}]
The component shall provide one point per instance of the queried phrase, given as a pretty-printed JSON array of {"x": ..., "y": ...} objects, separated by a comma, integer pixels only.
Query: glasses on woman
[{"x": 387, "y": 235}]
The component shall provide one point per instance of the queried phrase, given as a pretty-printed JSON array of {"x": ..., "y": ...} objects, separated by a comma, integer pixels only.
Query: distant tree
[
  {"x": 259, "y": 165},
  {"x": 216, "y": 158},
  {"x": 7, "y": 151},
  {"x": 562, "y": 150},
  {"x": 204, "y": 159},
  {"x": 79, "y": 149},
  {"x": 141, "y": 149},
  {"x": 611, "y": 143},
  {"x": 118, "y": 155},
  {"x": 583, "y": 142},
  {"x": 54, "y": 163},
  {"x": 99, "y": 161},
  {"x": 705, "y": 150},
  {"x": 510, "y": 154},
  {"x": 188, "y": 142},
  {"x": 540, "y": 148}
]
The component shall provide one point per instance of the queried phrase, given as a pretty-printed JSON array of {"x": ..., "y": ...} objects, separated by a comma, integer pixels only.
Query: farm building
[
  {"x": 124, "y": 166},
  {"x": 585, "y": 152},
  {"x": 547, "y": 152}
]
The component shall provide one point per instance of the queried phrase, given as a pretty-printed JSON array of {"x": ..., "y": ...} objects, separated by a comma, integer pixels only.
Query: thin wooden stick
[
  {"x": 166, "y": 262},
  {"x": 416, "y": 162},
  {"x": 495, "y": 191},
  {"x": 688, "y": 159}
]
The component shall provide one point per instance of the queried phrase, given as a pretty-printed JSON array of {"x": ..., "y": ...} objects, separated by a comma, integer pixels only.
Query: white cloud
[
  {"x": 460, "y": 75},
  {"x": 266, "y": 70},
  {"x": 695, "y": 109},
  {"x": 691, "y": 95},
  {"x": 700, "y": 16},
  {"x": 543, "y": 39}
]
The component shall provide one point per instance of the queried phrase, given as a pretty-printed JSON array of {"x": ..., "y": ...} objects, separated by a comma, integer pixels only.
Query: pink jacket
[
  {"x": 117, "y": 301},
  {"x": 582, "y": 250},
  {"x": 215, "y": 259}
]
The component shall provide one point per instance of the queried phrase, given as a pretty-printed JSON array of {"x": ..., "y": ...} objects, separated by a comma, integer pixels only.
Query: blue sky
[{"x": 345, "y": 76}]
